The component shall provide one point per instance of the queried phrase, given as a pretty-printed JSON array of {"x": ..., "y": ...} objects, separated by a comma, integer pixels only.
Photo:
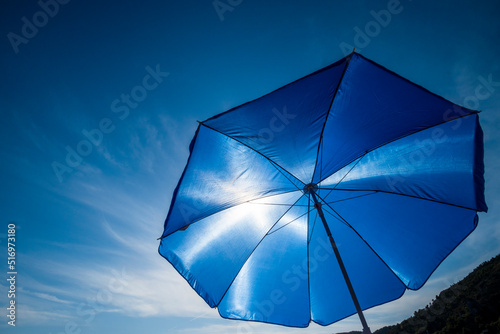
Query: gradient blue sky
[{"x": 86, "y": 240}]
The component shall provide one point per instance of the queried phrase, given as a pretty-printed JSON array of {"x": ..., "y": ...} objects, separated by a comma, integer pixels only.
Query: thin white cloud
[
  {"x": 31, "y": 316},
  {"x": 50, "y": 298}
]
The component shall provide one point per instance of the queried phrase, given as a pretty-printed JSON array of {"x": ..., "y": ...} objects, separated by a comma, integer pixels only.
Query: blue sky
[{"x": 143, "y": 73}]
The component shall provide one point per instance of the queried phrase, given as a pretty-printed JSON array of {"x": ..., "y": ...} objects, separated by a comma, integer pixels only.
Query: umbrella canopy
[{"x": 351, "y": 156}]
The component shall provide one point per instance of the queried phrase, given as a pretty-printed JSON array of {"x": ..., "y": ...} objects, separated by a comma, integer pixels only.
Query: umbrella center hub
[{"x": 310, "y": 187}]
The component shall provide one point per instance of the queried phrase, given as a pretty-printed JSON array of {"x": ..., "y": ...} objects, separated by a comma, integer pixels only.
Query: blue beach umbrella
[{"x": 326, "y": 197}]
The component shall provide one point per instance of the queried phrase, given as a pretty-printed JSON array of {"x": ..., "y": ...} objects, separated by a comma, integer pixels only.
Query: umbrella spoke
[
  {"x": 341, "y": 219},
  {"x": 403, "y": 224},
  {"x": 224, "y": 181},
  {"x": 275, "y": 164},
  {"x": 257, "y": 245},
  {"x": 285, "y": 125},
  {"x": 314, "y": 223},
  {"x": 422, "y": 165},
  {"x": 411, "y": 196},
  {"x": 279, "y": 228},
  {"x": 254, "y": 201},
  {"x": 320, "y": 143},
  {"x": 243, "y": 228},
  {"x": 456, "y": 119},
  {"x": 369, "y": 275},
  {"x": 343, "y": 177},
  {"x": 344, "y": 222},
  {"x": 349, "y": 198}
]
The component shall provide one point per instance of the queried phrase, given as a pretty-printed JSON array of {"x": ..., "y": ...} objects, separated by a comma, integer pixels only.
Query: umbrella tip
[{"x": 198, "y": 121}]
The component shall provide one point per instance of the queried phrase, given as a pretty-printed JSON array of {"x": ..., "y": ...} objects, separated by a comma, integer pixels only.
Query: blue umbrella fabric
[{"x": 393, "y": 172}]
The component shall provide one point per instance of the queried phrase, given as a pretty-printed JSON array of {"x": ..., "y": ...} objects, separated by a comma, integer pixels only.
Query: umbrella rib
[
  {"x": 346, "y": 199},
  {"x": 277, "y": 89},
  {"x": 361, "y": 158},
  {"x": 286, "y": 177},
  {"x": 339, "y": 219},
  {"x": 412, "y": 196},
  {"x": 343, "y": 177},
  {"x": 230, "y": 207},
  {"x": 275, "y": 165},
  {"x": 398, "y": 138},
  {"x": 320, "y": 160},
  {"x": 278, "y": 204},
  {"x": 354, "y": 230},
  {"x": 348, "y": 60},
  {"x": 367, "y": 244},
  {"x": 276, "y": 230},
  {"x": 406, "y": 79},
  {"x": 256, "y": 246},
  {"x": 314, "y": 225}
]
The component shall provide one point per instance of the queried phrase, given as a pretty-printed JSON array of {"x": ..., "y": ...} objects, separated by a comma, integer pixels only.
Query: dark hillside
[{"x": 469, "y": 306}]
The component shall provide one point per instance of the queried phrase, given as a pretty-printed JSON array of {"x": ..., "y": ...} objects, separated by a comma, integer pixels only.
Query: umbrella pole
[{"x": 317, "y": 205}]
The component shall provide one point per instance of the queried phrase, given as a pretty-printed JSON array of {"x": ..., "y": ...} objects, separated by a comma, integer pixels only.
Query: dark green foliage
[{"x": 469, "y": 306}]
